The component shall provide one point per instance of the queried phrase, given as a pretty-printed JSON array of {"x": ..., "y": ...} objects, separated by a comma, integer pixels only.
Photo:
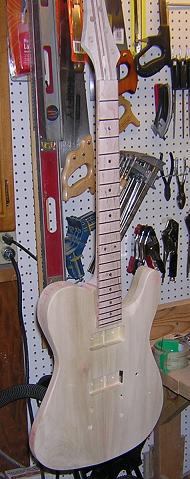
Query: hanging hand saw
[
  {"x": 115, "y": 14},
  {"x": 76, "y": 147},
  {"x": 162, "y": 41},
  {"x": 48, "y": 126}
]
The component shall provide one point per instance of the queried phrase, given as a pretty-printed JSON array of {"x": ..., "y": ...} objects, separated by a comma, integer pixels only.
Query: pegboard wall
[{"x": 155, "y": 210}]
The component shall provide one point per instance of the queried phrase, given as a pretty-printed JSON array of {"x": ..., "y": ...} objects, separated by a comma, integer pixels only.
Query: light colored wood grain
[
  {"x": 7, "y": 212},
  {"x": 172, "y": 406},
  {"x": 75, "y": 427},
  {"x": 171, "y": 318},
  {"x": 178, "y": 381}
]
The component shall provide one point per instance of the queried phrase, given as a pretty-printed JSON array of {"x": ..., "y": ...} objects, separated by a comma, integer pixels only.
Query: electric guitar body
[{"x": 105, "y": 395}]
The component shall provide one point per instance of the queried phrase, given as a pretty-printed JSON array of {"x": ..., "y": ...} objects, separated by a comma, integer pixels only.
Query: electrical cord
[
  {"x": 9, "y": 240},
  {"x": 9, "y": 254}
]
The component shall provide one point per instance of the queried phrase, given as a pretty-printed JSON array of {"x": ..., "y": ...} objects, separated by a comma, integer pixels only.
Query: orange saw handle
[{"x": 129, "y": 82}]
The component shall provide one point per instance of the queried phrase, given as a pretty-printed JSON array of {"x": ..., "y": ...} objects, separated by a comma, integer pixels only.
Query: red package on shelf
[{"x": 19, "y": 37}]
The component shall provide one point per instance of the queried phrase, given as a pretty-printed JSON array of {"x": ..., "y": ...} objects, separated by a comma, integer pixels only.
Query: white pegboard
[{"x": 154, "y": 210}]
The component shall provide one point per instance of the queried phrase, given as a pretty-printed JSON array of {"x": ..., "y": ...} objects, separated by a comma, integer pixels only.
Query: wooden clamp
[{"x": 84, "y": 155}]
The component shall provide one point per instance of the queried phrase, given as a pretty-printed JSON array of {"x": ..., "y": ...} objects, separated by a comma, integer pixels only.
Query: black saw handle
[{"x": 162, "y": 41}]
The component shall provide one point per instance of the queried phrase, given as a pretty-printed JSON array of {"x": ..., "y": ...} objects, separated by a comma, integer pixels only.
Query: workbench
[{"x": 168, "y": 453}]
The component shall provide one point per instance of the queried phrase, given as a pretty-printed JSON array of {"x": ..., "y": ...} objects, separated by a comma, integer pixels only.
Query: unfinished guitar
[{"x": 105, "y": 395}]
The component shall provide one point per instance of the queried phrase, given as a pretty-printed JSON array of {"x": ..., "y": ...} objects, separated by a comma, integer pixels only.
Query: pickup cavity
[
  {"x": 104, "y": 382},
  {"x": 107, "y": 337}
]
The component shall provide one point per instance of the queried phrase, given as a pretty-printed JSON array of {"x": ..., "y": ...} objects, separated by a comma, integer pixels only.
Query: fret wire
[
  {"x": 110, "y": 153},
  {"x": 115, "y": 304},
  {"x": 106, "y": 279},
  {"x": 115, "y": 318},
  {"x": 106, "y": 137},
  {"x": 105, "y": 300},
  {"x": 109, "y": 184},
  {"x": 109, "y": 309},
  {"x": 107, "y": 292},
  {"x": 115, "y": 231}
]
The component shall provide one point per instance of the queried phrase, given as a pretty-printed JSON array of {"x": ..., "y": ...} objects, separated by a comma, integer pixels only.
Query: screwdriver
[
  {"x": 175, "y": 78},
  {"x": 183, "y": 87}
]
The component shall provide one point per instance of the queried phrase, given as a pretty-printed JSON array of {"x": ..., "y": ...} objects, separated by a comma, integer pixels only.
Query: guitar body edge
[{"x": 105, "y": 395}]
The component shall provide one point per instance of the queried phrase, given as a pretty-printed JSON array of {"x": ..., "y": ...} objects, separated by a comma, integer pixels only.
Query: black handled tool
[
  {"x": 187, "y": 222},
  {"x": 175, "y": 78},
  {"x": 181, "y": 197},
  {"x": 162, "y": 41},
  {"x": 183, "y": 87},
  {"x": 167, "y": 182},
  {"x": 188, "y": 87},
  {"x": 163, "y": 109},
  {"x": 170, "y": 243}
]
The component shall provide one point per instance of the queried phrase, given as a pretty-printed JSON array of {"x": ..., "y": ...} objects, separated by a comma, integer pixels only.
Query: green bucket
[{"x": 171, "y": 354}]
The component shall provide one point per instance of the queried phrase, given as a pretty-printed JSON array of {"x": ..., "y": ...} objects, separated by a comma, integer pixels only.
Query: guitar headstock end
[{"x": 97, "y": 40}]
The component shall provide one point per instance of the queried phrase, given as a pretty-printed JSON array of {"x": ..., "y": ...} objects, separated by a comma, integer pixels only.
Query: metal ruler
[{"x": 48, "y": 126}]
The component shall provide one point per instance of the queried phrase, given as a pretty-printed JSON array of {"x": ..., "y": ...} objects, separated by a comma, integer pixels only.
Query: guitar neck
[{"x": 108, "y": 203}]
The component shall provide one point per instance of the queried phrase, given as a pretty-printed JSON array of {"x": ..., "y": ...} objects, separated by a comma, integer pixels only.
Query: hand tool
[
  {"x": 79, "y": 229},
  {"x": 183, "y": 87},
  {"x": 187, "y": 222},
  {"x": 115, "y": 14},
  {"x": 181, "y": 197},
  {"x": 46, "y": 100},
  {"x": 167, "y": 180},
  {"x": 140, "y": 174},
  {"x": 175, "y": 79},
  {"x": 152, "y": 247},
  {"x": 163, "y": 106},
  {"x": 170, "y": 243},
  {"x": 179, "y": 77},
  {"x": 77, "y": 145},
  {"x": 162, "y": 41},
  {"x": 78, "y": 56},
  {"x": 128, "y": 116},
  {"x": 146, "y": 249},
  {"x": 188, "y": 87},
  {"x": 138, "y": 24},
  {"x": 136, "y": 259},
  {"x": 174, "y": 252}
]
